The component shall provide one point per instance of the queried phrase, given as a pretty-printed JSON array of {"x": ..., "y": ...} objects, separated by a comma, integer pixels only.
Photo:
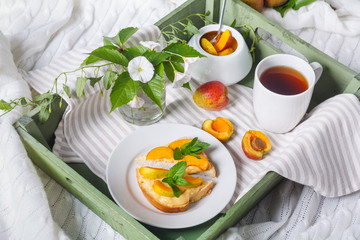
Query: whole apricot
[
  {"x": 255, "y": 144},
  {"x": 255, "y": 4},
  {"x": 274, "y": 3},
  {"x": 211, "y": 96},
  {"x": 221, "y": 128}
]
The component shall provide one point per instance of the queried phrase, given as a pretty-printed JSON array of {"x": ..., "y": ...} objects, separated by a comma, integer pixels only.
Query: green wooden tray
[{"x": 92, "y": 191}]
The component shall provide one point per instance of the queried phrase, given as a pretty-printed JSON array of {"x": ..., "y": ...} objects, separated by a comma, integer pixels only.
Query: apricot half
[
  {"x": 160, "y": 152},
  {"x": 223, "y": 41},
  {"x": 255, "y": 144},
  {"x": 153, "y": 173},
  {"x": 221, "y": 128}
]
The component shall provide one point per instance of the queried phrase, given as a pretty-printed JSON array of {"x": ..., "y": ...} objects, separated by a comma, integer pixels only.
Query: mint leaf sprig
[
  {"x": 175, "y": 177},
  {"x": 192, "y": 148}
]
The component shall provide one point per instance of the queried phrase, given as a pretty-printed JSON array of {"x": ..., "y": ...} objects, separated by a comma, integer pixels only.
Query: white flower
[
  {"x": 189, "y": 61},
  {"x": 140, "y": 69},
  {"x": 151, "y": 45},
  {"x": 182, "y": 78},
  {"x": 137, "y": 102}
]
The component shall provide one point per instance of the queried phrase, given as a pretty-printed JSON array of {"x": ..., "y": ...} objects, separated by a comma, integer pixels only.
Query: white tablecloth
[{"x": 43, "y": 30}]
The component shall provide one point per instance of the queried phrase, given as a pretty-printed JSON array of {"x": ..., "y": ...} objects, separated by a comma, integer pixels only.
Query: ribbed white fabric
[{"x": 319, "y": 146}]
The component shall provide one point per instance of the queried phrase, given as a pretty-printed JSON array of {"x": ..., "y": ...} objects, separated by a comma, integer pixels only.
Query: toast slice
[{"x": 154, "y": 167}]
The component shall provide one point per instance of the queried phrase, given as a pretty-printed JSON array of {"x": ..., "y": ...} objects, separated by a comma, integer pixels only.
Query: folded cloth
[
  {"x": 310, "y": 154},
  {"x": 321, "y": 16}
]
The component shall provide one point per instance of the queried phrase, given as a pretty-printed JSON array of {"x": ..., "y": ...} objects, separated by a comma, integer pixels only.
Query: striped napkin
[{"x": 322, "y": 151}]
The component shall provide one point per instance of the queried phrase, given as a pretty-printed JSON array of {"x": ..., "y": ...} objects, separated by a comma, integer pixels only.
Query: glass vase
[{"x": 148, "y": 114}]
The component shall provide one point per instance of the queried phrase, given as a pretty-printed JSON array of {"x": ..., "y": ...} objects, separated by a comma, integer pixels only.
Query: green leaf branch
[{"x": 114, "y": 57}]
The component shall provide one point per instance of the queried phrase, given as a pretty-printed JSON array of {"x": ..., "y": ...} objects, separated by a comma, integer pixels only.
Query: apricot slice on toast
[
  {"x": 153, "y": 173},
  {"x": 178, "y": 143},
  {"x": 202, "y": 162},
  {"x": 164, "y": 189},
  {"x": 160, "y": 152},
  {"x": 193, "y": 181}
]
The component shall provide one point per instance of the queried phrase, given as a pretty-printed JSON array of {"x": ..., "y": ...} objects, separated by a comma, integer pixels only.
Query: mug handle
[{"x": 318, "y": 69}]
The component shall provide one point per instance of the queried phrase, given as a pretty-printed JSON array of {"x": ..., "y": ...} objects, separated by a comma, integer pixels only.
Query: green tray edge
[{"x": 247, "y": 201}]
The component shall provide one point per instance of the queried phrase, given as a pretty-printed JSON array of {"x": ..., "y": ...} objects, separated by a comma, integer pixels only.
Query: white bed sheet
[{"x": 41, "y": 31}]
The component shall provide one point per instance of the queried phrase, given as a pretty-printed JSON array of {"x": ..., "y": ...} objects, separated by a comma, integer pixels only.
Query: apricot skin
[
  {"x": 249, "y": 151},
  {"x": 221, "y": 128},
  {"x": 211, "y": 96}
]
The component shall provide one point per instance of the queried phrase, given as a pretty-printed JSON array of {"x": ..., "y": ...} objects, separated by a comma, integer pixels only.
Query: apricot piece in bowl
[
  {"x": 153, "y": 173},
  {"x": 159, "y": 153},
  {"x": 223, "y": 41},
  {"x": 226, "y": 52},
  {"x": 208, "y": 47},
  {"x": 255, "y": 144},
  {"x": 221, "y": 128}
]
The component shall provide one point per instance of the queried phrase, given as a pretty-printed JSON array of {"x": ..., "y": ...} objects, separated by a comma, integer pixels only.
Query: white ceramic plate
[{"x": 122, "y": 183}]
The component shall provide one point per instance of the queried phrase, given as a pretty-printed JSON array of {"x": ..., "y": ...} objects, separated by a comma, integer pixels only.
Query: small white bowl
[{"x": 229, "y": 69}]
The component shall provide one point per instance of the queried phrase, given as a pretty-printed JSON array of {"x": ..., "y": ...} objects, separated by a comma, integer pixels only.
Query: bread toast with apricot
[
  {"x": 167, "y": 183},
  {"x": 160, "y": 195},
  {"x": 163, "y": 157}
]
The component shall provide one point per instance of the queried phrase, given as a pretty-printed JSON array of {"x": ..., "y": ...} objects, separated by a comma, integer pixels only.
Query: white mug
[
  {"x": 281, "y": 113},
  {"x": 228, "y": 69}
]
